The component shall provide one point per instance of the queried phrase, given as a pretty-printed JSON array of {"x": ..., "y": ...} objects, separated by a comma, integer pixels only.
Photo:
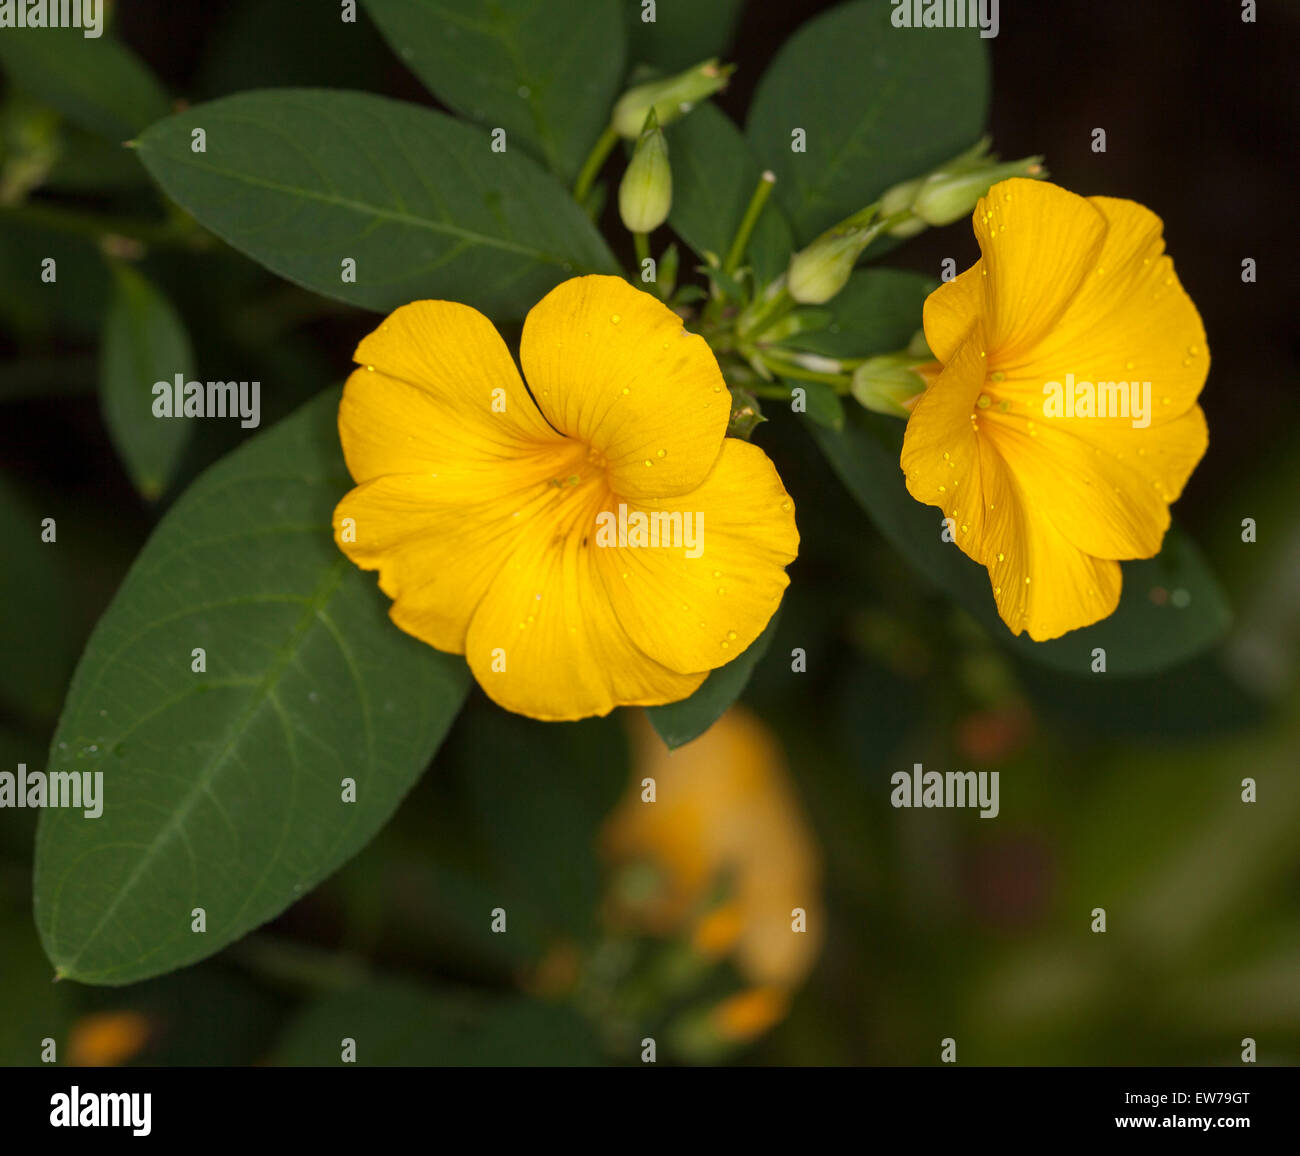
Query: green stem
[
  {"x": 642, "y": 243},
  {"x": 778, "y": 365},
  {"x": 591, "y": 166},
  {"x": 741, "y": 240},
  {"x": 61, "y": 220}
]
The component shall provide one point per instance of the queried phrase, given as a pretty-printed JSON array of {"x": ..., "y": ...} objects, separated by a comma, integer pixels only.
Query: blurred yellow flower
[
  {"x": 106, "y": 1039},
  {"x": 1065, "y": 420},
  {"x": 725, "y": 819},
  {"x": 598, "y": 542}
]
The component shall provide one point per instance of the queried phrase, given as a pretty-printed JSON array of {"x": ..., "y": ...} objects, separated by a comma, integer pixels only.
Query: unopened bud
[
  {"x": 670, "y": 98},
  {"x": 891, "y": 384},
  {"x": 946, "y": 197},
  {"x": 646, "y": 193},
  {"x": 821, "y": 270}
]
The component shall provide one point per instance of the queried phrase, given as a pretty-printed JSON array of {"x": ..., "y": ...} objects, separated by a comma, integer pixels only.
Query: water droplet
[
  {"x": 732, "y": 635},
  {"x": 370, "y": 369},
  {"x": 983, "y": 401},
  {"x": 717, "y": 573},
  {"x": 717, "y": 389},
  {"x": 648, "y": 462},
  {"x": 726, "y": 646},
  {"x": 945, "y": 457},
  {"x": 943, "y": 489},
  {"x": 722, "y": 589},
  {"x": 1026, "y": 579},
  {"x": 997, "y": 590},
  {"x": 998, "y": 375},
  {"x": 616, "y": 318},
  {"x": 661, "y": 453},
  {"x": 1002, "y": 557},
  {"x": 785, "y": 506},
  {"x": 1164, "y": 401}
]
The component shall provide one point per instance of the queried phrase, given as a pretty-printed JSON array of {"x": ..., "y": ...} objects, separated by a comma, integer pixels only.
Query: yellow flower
[
  {"x": 594, "y": 543},
  {"x": 1065, "y": 421},
  {"x": 724, "y": 814}
]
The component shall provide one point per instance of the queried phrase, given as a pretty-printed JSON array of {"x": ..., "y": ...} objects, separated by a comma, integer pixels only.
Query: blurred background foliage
[{"x": 1116, "y": 793}]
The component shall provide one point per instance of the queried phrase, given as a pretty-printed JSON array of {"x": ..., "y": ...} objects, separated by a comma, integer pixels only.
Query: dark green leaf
[
  {"x": 878, "y": 311},
  {"x": 824, "y": 405},
  {"x": 680, "y": 722},
  {"x": 546, "y": 73},
  {"x": 144, "y": 343},
  {"x": 1148, "y": 632},
  {"x": 398, "y": 1024},
  {"x": 683, "y": 32},
  {"x": 95, "y": 82},
  {"x": 878, "y": 105},
  {"x": 714, "y": 177},
  {"x": 223, "y": 790},
  {"x": 303, "y": 179},
  {"x": 541, "y": 791}
]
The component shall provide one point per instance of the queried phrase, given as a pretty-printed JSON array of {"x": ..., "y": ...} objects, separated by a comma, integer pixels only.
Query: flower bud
[
  {"x": 669, "y": 98},
  {"x": 821, "y": 270},
  {"x": 946, "y": 197},
  {"x": 896, "y": 200},
  {"x": 891, "y": 384},
  {"x": 646, "y": 192}
]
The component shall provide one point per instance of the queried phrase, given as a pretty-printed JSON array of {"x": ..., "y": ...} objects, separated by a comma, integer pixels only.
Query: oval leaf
[
  {"x": 95, "y": 82},
  {"x": 714, "y": 177},
  {"x": 224, "y": 790},
  {"x": 876, "y": 105},
  {"x": 545, "y": 73},
  {"x": 144, "y": 342},
  {"x": 306, "y": 180}
]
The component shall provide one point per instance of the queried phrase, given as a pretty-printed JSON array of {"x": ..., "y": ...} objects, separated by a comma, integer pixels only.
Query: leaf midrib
[{"x": 318, "y": 599}]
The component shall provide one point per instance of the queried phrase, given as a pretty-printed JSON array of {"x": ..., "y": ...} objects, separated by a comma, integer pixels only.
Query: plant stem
[
  {"x": 783, "y": 368},
  {"x": 591, "y": 166},
  {"x": 741, "y": 240},
  {"x": 642, "y": 243}
]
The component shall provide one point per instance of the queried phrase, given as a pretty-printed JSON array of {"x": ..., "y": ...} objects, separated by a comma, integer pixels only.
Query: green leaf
[
  {"x": 683, "y": 32},
  {"x": 303, "y": 179},
  {"x": 1148, "y": 632},
  {"x": 394, "y": 1023},
  {"x": 96, "y": 82},
  {"x": 714, "y": 177},
  {"x": 144, "y": 342},
  {"x": 223, "y": 790},
  {"x": 878, "y": 105},
  {"x": 824, "y": 405},
  {"x": 878, "y": 311},
  {"x": 548, "y": 73},
  {"x": 680, "y": 722},
  {"x": 542, "y": 814}
]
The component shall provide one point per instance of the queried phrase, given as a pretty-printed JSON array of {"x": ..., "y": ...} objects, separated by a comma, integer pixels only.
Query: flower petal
[
  {"x": 438, "y": 539},
  {"x": 544, "y": 641},
  {"x": 698, "y": 613},
  {"x": 437, "y": 386},
  {"x": 613, "y": 367},
  {"x": 1043, "y": 583},
  {"x": 1039, "y": 242}
]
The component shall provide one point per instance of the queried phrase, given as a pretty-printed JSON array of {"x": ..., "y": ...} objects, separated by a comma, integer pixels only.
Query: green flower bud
[
  {"x": 821, "y": 270},
  {"x": 946, "y": 196},
  {"x": 669, "y": 98},
  {"x": 896, "y": 200},
  {"x": 890, "y": 384},
  {"x": 646, "y": 192}
]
